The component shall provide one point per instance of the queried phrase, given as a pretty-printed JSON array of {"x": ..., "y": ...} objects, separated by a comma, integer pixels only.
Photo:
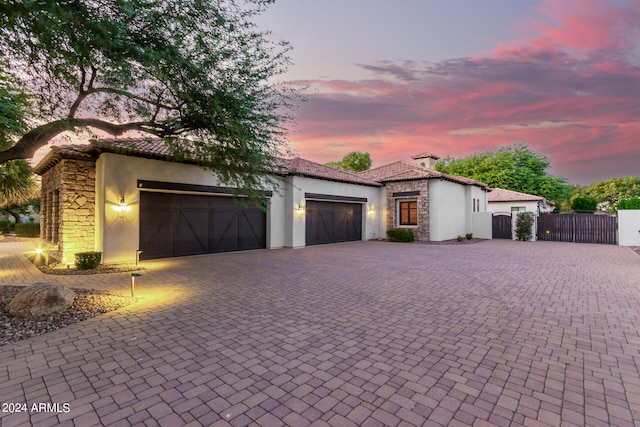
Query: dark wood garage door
[
  {"x": 179, "y": 224},
  {"x": 332, "y": 222}
]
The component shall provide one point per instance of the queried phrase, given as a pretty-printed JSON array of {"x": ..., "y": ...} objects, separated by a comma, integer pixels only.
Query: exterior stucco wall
[
  {"x": 118, "y": 235},
  {"x": 448, "y": 210},
  {"x": 68, "y": 207},
  {"x": 394, "y": 190},
  {"x": 629, "y": 227},
  {"x": 476, "y": 201},
  {"x": 297, "y": 186},
  {"x": 482, "y": 225},
  {"x": 530, "y": 206}
]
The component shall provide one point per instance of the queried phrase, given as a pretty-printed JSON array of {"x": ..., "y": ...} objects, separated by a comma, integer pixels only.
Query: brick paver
[{"x": 368, "y": 333}]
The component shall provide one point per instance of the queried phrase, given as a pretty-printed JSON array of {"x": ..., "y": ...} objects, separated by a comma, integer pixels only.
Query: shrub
[
  {"x": 632, "y": 203},
  {"x": 400, "y": 235},
  {"x": 28, "y": 229},
  {"x": 469, "y": 236},
  {"x": 88, "y": 260},
  {"x": 524, "y": 226},
  {"x": 4, "y": 225},
  {"x": 459, "y": 238},
  {"x": 584, "y": 203}
]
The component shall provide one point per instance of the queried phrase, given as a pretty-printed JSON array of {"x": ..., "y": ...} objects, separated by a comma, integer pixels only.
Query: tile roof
[
  {"x": 59, "y": 152},
  {"x": 405, "y": 171},
  {"x": 302, "y": 167},
  {"x": 156, "y": 148},
  {"x": 502, "y": 195}
]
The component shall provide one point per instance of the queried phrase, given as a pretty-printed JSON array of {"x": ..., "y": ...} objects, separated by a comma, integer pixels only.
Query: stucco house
[
  {"x": 435, "y": 205},
  {"x": 501, "y": 200},
  {"x": 128, "y": 199}
]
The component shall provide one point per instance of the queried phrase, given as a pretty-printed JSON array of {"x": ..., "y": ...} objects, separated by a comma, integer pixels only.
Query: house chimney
[{"x": 426, "y": 160}]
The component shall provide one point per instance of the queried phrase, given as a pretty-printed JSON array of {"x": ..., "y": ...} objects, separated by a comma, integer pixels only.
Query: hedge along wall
[{"x": 629, "y": 227}]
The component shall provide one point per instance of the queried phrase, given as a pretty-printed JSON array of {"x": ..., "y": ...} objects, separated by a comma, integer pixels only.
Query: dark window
[{"x": 408, "y": 212}]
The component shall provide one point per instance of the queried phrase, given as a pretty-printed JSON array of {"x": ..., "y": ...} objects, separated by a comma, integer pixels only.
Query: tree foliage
[
  {"x": 632, "y": 203},
  {"x": 14, "y": 107},
  {"x": 584, "y": 203},
  {"x": 31, "y": 206},
  {"x": 514, "y": 167},
  {"x": 17, "y": 186},
  {"x": 196, "y": 73},
  {"x": 611, "y": 191},
  {"x": 355, "y": 161}
]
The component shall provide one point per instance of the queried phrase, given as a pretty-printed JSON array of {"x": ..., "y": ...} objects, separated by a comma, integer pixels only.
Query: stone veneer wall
[
  {"x": 421, "y": 231},
  {"x": 68, "y": 208}
]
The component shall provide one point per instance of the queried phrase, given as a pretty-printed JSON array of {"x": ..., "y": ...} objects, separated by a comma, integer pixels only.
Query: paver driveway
[{"x": 369, "y": 333}]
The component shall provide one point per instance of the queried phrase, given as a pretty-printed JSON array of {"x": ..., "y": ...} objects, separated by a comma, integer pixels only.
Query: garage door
[
  {"x": 332, "y": 222},
  {"x": 174, "y": 225}
]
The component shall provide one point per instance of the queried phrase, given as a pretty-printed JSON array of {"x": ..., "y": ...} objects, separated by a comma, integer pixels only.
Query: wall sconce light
[
  {"x": 299, "y": 209},
  {"x": 371, "y": 211},
  {"x": 122, "y": 208}
]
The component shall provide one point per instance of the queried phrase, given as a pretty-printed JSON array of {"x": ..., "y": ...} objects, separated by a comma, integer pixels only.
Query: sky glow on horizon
[{"x": 461, "y": 77}]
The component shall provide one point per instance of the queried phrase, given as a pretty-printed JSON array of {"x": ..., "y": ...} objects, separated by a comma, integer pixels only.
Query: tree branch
[
  {"x": 131, "y": 96},
  {"x": 40, "y": 136},
  {"x": 82, "y": 94}
]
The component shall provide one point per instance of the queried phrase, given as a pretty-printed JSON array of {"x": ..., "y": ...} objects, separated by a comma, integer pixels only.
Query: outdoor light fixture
[
  {"x": 39, "y": 251},
  {"x": 122, "y": 208},
  {"x": 371, "y": 211},
  {"x": 299, "y": 208}
]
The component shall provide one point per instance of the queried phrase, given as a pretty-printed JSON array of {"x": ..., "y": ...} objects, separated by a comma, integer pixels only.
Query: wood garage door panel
[
  {"x": 193, "y": 232},
  {"x": 224, "y": 233},
  {"x": 332, "y": 222},
  {"x": 252, "y": 231},
  {"x": 156, "y": 225},
  {"x": 179, "y": 224}
]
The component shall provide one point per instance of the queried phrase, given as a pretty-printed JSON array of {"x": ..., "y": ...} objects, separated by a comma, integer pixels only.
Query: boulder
[{"x": 41, "y": 299}]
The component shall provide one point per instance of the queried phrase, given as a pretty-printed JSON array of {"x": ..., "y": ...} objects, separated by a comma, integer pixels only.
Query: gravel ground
[{"x": 88, "y": 304}]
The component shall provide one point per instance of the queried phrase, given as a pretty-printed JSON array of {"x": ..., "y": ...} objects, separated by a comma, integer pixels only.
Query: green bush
[
  {"x": 524, "y": 226},
  {"x": 632, "y": 203},
  {"x": 459, "y": 238},
  {"x": 469, "y": 236},
  {"x": 88, "y": 260},
  {"x": 5, "y": 225},
  {"x": 584, "y": 203},
  {"x": 400, "y": 235},
  {"x": 28, "y": 229}
]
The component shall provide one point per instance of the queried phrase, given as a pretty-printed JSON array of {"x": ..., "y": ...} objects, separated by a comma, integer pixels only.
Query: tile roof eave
[
  {"x": 445, "y": 177},
  {"x": 59, "y": 153},
  {"x": 325, "y": 178}
]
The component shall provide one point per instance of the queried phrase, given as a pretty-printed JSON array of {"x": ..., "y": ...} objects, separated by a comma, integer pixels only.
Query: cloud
[{"x": 571, "y": 92}]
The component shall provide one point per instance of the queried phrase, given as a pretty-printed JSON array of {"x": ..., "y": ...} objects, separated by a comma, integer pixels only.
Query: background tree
[
  {"x": 16, "y": 210},
  {"x": 514, "y": 167},
  {"x": 196, "y": 73},
  {"x": 584, "y": 203},
  {"x": 632, "y": 203},
  {"x": 17, "y": 186},
  {"x": 355, "y": 161},
  {"x": 611, "y": 191}
]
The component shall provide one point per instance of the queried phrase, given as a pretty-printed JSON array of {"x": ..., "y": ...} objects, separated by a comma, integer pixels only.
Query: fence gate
[
  {"x": 501, "y": 226},
  {"x": 578, "y": 228}
]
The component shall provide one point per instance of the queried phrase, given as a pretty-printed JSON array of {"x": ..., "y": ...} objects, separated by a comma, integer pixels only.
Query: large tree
[
  {"x": 610, "y": 192},
  {"x": 355, "y": 161},
  {"x": 197, "y": 73},
  {"x": 513, "y": 167}
]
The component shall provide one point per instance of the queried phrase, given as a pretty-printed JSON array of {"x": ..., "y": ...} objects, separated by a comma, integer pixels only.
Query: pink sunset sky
[{"x": 464, "y": 76}]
